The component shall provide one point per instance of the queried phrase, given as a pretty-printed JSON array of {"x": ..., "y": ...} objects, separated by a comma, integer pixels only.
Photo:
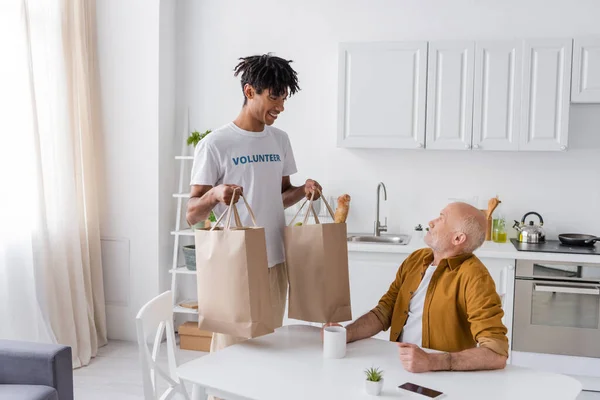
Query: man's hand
[
  {"x": 311, "y": 186},
  {"x": 413, "y": 358},
  {"x": 223, "y": 193}
]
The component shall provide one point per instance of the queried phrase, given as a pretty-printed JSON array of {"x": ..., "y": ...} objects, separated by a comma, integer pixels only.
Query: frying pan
[{"x": 577, "y": 239}]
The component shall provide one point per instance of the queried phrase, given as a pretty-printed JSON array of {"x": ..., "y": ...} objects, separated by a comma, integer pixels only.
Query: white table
[{"x": 288, "y": 364}]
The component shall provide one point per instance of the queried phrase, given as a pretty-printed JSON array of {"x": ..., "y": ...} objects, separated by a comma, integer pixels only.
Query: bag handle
[
  {"x": 306, "y": 200},
  {"x": 232, "y": 206},
  {"x": 226, "y": 214},
  {"x": 236, "y": 216},
  {"x": 311, "y": 208},
  {"x": 327, "y": 205},
  {"x": 298, "y": 212}
]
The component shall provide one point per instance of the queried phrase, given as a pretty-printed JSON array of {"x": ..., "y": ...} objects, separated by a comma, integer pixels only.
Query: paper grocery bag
[
  {"x": 317, "y": 263},
  {"x": 233, "y": 283}
]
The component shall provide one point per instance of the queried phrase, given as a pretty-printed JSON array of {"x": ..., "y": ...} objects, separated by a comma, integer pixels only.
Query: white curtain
[{"x": 51, "y": 285}]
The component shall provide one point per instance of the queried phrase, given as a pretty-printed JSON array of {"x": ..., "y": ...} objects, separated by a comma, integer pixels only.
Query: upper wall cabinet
[
  {"x": 382, "y": 95},
  {"x": 450, "y": 95},
  {"x": 474, "y": 95},
  {"x": 491, "y": 95},
  {"x": 546, "y": 94},
  {"x": 586, "y": 71},
  {"x": 497, "y": 95}
]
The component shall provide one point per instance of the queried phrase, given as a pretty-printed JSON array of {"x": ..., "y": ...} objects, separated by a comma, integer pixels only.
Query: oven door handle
[{"x": 593, "y": 290}]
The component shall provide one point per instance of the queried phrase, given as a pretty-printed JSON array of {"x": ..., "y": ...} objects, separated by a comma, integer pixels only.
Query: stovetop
[{"x": 555, "y": 246}]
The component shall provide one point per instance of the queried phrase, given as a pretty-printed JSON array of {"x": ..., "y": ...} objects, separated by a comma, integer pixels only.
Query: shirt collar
[{"x": 452, "y": 262}]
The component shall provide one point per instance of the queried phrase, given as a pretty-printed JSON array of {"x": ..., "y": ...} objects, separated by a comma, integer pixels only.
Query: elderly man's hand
[{"x": 413, "y": 358}]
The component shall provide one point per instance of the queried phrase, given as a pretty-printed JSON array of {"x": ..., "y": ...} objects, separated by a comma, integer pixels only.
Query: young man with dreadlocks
[{"x": 257, "y": 158}]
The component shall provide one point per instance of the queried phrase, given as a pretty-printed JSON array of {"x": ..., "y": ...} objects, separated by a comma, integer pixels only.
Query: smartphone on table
[{"x": 411, "y": 387}]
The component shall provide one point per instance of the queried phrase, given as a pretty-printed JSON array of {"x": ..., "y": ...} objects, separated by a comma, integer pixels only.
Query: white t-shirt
[
  {"x": 255, "y": 161},
  {"x": 413, "y": 329}
]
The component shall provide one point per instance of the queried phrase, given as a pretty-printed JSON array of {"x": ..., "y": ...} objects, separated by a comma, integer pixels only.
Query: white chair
[{"x": 156, "y": 317}]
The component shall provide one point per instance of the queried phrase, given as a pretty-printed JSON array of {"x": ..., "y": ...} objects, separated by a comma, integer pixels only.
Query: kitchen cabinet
[
  {"x": 370, "y": 278},
  {"x": 474, "y": 93},
  {"x": 381, "y": 102},
  {"x": 508, "y": 95},
  {"x": 450, "y": 79},
  {"x": 585, "y": 86},
  {"x": 497, "y": 95},
  {"x": 546, "y": 94}
]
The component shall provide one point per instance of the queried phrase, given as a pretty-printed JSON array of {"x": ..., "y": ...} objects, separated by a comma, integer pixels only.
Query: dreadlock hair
[{"x": 267, "y": 72}]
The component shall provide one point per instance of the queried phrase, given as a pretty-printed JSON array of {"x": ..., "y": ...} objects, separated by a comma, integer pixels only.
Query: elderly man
[{"x": 443, "y": 298}]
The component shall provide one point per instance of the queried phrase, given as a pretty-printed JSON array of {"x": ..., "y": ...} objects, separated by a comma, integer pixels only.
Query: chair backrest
[{"x": 156, "y": 318}]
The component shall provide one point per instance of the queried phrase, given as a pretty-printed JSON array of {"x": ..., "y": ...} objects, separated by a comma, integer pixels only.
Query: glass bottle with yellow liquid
[
  {"x": 499, "y": 234},
  {"x": 499, "y": 230}
]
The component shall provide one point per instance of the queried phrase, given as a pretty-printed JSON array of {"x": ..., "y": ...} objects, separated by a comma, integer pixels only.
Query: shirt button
[
  {"x": 412, "y": 293},
  {"x": 406, "y": 312}
]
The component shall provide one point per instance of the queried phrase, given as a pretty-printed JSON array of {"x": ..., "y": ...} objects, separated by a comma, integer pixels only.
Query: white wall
[
  {"x": 128, "y": 56},
  {"x": 563, "y": 187},
  {"x": 170, "y": 139},
  {"x": 148, "y": 48}
]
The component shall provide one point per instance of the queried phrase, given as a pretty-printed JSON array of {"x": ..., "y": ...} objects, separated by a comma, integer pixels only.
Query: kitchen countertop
[{"x": 488, "y": 250}]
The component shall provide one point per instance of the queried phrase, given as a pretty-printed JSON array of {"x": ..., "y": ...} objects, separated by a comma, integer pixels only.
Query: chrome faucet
[{"x": 378, "y": 227}]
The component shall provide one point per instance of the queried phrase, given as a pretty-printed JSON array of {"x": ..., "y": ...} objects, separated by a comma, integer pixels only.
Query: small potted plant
[
  {"x": 195, "y": 138},
  {"x": 374, "y": 382},
  {"x": 189, "y": 254}
]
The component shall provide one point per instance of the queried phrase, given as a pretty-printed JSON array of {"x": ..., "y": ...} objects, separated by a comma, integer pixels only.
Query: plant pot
[
  {"x": 202, "y": 225},
  {"x": 373, "y": 388},
  {"x": 189, "y": 253}
]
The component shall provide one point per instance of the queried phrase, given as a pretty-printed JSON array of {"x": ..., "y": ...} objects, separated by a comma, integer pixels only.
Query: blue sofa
[{"x": 35, "y": 371}]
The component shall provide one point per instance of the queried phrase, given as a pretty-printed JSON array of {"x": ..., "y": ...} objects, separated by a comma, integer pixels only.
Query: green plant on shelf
[{"x": 195, "y": 138}]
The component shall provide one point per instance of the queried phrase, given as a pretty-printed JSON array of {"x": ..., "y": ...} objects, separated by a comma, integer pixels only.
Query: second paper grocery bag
[{"x": 317, "y": 262}]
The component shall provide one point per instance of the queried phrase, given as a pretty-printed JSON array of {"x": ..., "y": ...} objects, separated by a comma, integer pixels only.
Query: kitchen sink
[{"x": 384, "y": 239}]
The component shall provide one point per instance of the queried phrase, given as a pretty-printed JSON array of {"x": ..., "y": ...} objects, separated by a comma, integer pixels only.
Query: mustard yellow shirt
[{"x": 462, "y": 308}]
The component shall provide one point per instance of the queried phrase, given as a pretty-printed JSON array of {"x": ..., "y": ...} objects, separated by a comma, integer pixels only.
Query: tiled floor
[{"x": 115, "y": 374}]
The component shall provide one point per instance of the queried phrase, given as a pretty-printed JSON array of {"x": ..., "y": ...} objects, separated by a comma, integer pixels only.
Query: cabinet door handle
[
  {"x": 467, "y": 146},
  {"x": 421, "y": 145},
  {"x": 476, "y": 147},
  {"x": 568, "y": 289},
  {"x": 563, "y": 148},
  {"x": 502, "y": 282}
]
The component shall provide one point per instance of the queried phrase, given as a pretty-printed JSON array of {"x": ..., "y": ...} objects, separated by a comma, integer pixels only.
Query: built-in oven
[
  {"x": 557, "y": 312},
  {"x": 557, "y": 308}
]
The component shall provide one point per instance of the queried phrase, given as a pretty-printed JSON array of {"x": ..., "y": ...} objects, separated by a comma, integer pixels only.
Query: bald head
[
  {"x": 469, "y": 220},
  {"x": 460, "y": 228}
]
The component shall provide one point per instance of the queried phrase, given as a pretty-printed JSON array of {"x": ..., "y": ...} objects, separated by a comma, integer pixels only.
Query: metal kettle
[{"x": 530, "y": 233}]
